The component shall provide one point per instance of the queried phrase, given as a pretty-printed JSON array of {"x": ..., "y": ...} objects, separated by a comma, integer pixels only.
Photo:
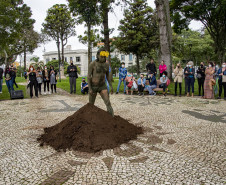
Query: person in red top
[{"x": 162, "y": 68}]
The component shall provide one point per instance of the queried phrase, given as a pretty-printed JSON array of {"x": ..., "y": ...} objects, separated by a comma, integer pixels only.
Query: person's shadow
[{"x": 67, "y": 107}]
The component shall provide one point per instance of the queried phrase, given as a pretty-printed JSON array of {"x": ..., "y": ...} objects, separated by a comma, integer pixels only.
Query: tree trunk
[
  {"x": 25, "y": 67},
  {"x": 106, "y": 31},
  {"x": 89, "y": 44},
  {"x": 59, "y": 61},
  {"x": 165, "y": 31},
  {"x": 138, "y": 65}
]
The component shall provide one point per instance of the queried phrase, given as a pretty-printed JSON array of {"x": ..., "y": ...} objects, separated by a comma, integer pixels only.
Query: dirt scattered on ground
[{"x": 90, "y": 129}]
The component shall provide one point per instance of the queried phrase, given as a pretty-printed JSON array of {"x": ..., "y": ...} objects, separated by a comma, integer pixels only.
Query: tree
[
  {"x": 165, "y": 33},
  {"x": 37, "y": 63},
  {"x": 115, "y": 64},
  {"x": 104, "y": 8},
  {"x": 138, "y": 31},
  {"x": 15, "y": 18},
  {"x": 192, "y": 45},
  {"x": 86, "y": 11},
  {"x": 59, "y": 25},
  {"x": 212, "y": 14}
]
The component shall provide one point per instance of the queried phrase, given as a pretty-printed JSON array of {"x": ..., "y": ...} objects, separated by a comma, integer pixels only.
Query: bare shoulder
[{"x": 92, "y": 64}]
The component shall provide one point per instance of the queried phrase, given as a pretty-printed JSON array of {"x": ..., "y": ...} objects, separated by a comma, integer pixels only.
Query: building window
[
  {"x": 123, "y": 57},
  {"x": 130, "y": 57},
  {"x": 71, "y": 58},
  {"x": 78, "y": 59},
  {"x": 93, "y": 58},
  {"x": 65, "y": 59}
]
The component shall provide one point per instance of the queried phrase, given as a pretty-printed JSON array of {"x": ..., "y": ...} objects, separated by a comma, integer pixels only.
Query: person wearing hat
[{"x": 84, "y": 86}]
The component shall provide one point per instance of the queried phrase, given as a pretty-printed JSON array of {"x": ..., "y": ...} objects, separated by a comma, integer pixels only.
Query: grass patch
[{"x": 5, "y": 93}]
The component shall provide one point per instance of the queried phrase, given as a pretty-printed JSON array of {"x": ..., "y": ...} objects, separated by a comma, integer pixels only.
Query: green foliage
[
  {"x": 115, "y": 64},
  {"x": 14, "y": 20},
  {"x": 192, "y": 45},
  {"x": 138, "y": 30},
  {"x": 212, "y": 13},
  {"x": 55, "y": 64},
  {"x": 36, "y": 63}
]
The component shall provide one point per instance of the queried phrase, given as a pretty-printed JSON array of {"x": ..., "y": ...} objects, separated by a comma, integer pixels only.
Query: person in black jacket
[
  {"x": 46, "y": 79},
  {"x": 72, "y": 71},
  {"x": 190, "y": 72},
  {"x": 52, "y": 77},
  {"x": 1, "y": 79},
  {"x": 33, "y": 81},
  {"x": 201, "y": 78},
  {"x": 8, "y": 79},
  {"x": 151, "y": 67},
  {"x": 13, "y": 73}
]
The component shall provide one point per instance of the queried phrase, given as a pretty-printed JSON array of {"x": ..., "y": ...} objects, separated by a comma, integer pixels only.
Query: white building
[{"x": 80, "y": 58}]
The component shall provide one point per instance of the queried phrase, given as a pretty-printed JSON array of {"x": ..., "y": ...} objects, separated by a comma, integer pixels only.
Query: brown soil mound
[{"x": 90, "y": 129}]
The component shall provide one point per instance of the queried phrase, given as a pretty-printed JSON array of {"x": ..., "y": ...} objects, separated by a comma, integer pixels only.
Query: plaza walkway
[{"x": 183, "y": 143}]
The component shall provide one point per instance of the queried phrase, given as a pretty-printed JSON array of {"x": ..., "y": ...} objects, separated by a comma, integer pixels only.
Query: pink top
[{"x": 162, "y": 68}]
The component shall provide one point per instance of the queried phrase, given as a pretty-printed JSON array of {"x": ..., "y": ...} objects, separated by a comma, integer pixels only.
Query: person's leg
[
  {"x": 224, "y": 85},
  {"x": 105, "y": 97},
  {"x": 175, "y": 88},
  {"x": 45, "y": 86},
  {"x": 83, "y": 91},
  {"x": 39, "y": 88},
  {"x": 15, "y": 82},
  {"x": 92, "y": 98},
  {"x": 202, "y": 86},
  {"x": 124, "y": 81},
  {"x": 189, "y": 86},
  {"x": 54, "y": 87},
  {"x": 180, "y": 88},
  {"x": 36, "y": 88},
  {"x": 127, "y": 90},
  {"x": 193, "y": 86},
  {"x": 139, "y": 89},
  {"x": 1, "y": 81},
  {"x": 119, "y": 83},
  {"x": 48, "y": 86},
  {"x": 74, "y": 81},
  {"x": 11, "y": 85},
  {"x": 31, "y": 89},
  {"x": 7, "y": 84},
  {"x": 108, "y": 88},
  {"x": 86, "y": 90},
  {"x": 186, "y": 85},
  {"x": 199, "y": 83},
  {"x": 164, "y": 89},
  {"x": 220, "y": 87},
  {"x": 71, "y": 84}
]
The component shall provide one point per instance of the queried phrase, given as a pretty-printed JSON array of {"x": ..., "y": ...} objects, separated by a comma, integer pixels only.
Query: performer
[{"x": 96, "y": 79}]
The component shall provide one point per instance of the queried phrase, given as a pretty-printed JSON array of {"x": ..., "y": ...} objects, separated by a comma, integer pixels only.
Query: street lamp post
[{"x": 59, "y": 61}]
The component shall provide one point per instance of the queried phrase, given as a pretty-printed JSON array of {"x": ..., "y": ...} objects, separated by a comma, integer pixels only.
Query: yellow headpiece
[{"x": 104, "y": 53}]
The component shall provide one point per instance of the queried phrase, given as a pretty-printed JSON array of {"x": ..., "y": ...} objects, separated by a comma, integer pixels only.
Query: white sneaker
[
  {"x": 49, "y": 92},
  {"x": 44, "y": 93},
  {"x": 1, "y": 92}
]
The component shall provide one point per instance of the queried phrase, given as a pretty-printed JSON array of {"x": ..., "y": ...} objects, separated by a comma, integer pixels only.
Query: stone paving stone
[{"x": 183, "y": 142}]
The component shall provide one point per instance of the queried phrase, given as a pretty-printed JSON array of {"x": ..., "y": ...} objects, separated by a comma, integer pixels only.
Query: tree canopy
[
  {"x": 138, "y": 31},
  {"x": 212, "y": 13}
]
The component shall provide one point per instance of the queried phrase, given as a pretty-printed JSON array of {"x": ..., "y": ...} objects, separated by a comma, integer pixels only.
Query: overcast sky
[{"x": 39, "y": 10}]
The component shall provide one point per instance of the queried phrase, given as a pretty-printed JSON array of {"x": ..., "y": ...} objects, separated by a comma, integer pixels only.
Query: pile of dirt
[{"x": 90, "y": 129}]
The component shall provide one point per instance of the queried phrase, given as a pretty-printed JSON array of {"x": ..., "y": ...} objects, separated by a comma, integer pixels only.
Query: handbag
[
  {"x": 224, "y": 78},
  {"x": 130, "y": 85}
]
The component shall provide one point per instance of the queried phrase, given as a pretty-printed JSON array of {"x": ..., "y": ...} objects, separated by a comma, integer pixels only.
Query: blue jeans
[
  {"x": 119, "y": 83},
  {"x": 9, "y": 84},
  {"x": 150, "y": 88},
  {"x": 108, "y": 88},
  {"x": 191, "y": 82},
  {"x": 1, "y": 81}
]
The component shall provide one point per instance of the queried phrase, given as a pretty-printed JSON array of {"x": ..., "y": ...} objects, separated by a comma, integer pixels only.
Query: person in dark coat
[
  {"x": 33, "y": 81},
  {"x": 151, "y": 67},
  {"x": 1, "y": 79},
  {"x": 201, "y": 78},
  {"x": 72, "y": 71},
  {"x": 46, "y": 80}
]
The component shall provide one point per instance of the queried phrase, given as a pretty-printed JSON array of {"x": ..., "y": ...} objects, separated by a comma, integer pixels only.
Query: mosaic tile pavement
[{"x": 183, "y": 142}]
